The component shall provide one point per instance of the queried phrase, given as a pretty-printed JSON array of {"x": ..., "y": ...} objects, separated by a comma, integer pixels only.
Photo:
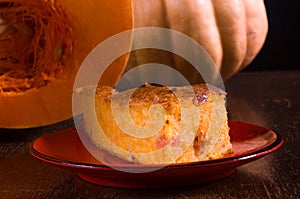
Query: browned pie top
[{"x": 150, "y": 94}]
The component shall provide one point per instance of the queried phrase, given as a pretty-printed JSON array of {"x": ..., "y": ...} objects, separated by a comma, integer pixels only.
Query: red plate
[{"x": 65, "y": 149}]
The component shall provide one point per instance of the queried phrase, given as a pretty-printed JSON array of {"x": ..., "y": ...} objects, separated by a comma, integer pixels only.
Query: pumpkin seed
[
  {"x": 43, "y": 83},
  {"x": 13, "y": 60},
  {"x": 9, "y": 30},
  {"x": 2, "y": 21},
  {"x": 2, "y": 70},
  {"x": 24, "y": 29},
  {"x": 58, "y": 52},
  {"x": 3, "y": 25}
]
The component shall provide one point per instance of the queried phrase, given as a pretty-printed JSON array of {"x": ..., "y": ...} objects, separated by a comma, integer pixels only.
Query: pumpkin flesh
[{"x": 93, "y": 21}]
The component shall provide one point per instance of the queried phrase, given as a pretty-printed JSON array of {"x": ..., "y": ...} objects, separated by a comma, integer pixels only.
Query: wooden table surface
[{"x": 270, "y": 99}]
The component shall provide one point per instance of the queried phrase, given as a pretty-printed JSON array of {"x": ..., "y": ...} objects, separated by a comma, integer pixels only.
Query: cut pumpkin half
[{"x": 42, "y": 45}]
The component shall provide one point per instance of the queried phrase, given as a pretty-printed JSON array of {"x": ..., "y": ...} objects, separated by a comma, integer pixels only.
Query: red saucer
[{"x": 65, "y": 149}]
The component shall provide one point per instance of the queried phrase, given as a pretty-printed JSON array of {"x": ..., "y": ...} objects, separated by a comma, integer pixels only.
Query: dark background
[{"x": 281, "y": 49}]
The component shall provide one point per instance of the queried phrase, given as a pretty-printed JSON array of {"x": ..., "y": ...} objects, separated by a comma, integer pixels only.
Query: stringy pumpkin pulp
[{"x": 35, "y": 44}]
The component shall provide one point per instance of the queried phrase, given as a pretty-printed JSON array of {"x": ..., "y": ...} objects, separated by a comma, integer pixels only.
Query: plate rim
[{"x": 256, "y": 154}]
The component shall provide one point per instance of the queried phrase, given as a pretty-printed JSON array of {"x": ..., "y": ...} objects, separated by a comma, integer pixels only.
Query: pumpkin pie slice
[{"x": 160, "y": 125}]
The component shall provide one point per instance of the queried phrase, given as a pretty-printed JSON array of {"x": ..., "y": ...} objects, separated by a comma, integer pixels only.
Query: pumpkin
[
  {"x": 43, "y": 95},
  {"x": 231, "y": 31}
]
